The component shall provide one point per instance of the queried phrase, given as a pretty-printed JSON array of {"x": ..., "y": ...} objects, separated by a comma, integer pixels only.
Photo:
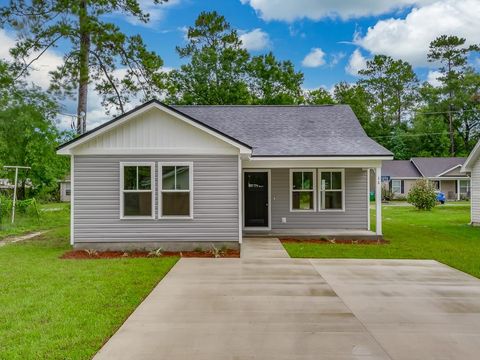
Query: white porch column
[
  {"x": 458, "y": 189},
  {"x": 378, "y": 199}
]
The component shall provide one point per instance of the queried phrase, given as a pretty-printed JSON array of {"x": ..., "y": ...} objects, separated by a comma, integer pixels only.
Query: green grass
[
  {"x": 442, "y": 234},
  {"x": 66, "y": 309},
  {"x": 51, "y": 215}
]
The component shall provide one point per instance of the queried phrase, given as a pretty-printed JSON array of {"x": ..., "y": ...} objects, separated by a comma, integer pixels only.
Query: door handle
[{"x": 266, "y": 204}]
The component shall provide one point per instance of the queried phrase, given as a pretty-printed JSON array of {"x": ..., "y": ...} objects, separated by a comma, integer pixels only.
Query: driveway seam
[{"x": 348, "y": 307}]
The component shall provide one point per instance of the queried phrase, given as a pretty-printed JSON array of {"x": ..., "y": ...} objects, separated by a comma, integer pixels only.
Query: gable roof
[
  {"x": 474, "y": 155},
  {"x": 63, "y": 149},
  {"x": 400, "y": 169},
  {"x": 269, "y": 131},
  {"x": 437, "y": 166},
  {"x": 286, "y": 131}
]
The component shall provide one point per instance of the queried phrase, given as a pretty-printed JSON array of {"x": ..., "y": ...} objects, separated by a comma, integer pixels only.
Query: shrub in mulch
[
  {"x": 335, "y": 241},
  {"x": 92, "y": 254}
]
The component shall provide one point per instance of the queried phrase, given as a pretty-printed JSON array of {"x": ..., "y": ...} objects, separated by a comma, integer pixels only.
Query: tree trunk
[
  {"x": 84, "y": 70},
  {"x": 450, "y": 129}
]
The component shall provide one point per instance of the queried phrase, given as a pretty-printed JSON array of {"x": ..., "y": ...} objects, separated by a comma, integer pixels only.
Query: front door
[{"x": 255, "y": 187}]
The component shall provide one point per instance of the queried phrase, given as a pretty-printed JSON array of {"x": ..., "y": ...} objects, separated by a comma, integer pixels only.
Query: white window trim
[
  {"x": 160, "y": 189},
  {"x": 400, "y": 186},
  {"x": 321, "y": 193},
  {"x": 122, "y": 191},
  {"x": 314, "y": 190}
]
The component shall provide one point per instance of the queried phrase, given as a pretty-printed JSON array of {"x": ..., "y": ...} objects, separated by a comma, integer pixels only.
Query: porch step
[{"x": 262, "y": 248}]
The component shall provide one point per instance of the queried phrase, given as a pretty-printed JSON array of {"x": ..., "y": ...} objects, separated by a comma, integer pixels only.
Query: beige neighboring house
[
  {"x": 472, "y": 167},
  {"x": 65, "y": 189},
  {"x": 400, "y": 175}
]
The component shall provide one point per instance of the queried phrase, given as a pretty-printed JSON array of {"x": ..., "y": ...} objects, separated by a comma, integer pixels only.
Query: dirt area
[
  {"x": 91, "y": 254},
  {"x": 335, "y": 241}
]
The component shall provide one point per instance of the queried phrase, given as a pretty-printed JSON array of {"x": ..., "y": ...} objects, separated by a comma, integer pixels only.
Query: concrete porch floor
[{"x": 355, "y": 234}]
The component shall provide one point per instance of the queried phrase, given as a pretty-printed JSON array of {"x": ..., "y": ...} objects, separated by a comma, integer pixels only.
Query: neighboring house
[
  {"x": 6, "y": 184},
  {"x": 65, "y": 190},
  {"x": 472, "y": 167},
  {"x": 187, "y": 176},
  {"x": 400, "y": 175}
]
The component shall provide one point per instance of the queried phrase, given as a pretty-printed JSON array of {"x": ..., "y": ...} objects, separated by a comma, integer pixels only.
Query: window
[
  {"x": 136, "y": 190},
  {"x": 331, "y": 189},
  {"x": 175, "y": 190},
  {"x": 302, "y": 186},
  {"x": 465, "y": 187},
  {"x": 436, "y": 184},
  {"x": 397, "y": 186},
  {"x": 68, "y": 192}
]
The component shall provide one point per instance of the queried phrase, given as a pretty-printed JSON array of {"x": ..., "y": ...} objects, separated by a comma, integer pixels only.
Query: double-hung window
[
  {"x": 136, "y": 190},
  {"x": 465, "y": 187},
  {"x": 176, "y": 199},
  {"x": 302, "y": 190},
  {"x": 397, "y": 186},
  {"x": 332, "y": 189}
]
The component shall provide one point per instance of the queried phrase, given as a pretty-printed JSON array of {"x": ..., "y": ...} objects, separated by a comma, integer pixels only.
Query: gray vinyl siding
[
  {"x": 354, "y": 217},
  {"x": 97, "y": 202},
  {"x": 475, "y": 192}
]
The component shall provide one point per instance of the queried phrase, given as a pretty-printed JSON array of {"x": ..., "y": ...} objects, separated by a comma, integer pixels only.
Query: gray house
[
  {"x": 472, "y": 167},
  {"x": 187, "y": 176},
  {"x": 444, "y": 172}
]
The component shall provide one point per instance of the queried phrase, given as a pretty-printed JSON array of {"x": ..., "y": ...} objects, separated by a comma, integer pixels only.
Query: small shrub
[
  {"x": 422, "y": 195},
  {"x": 387, "y": 193},
  {"x": 156, "y": 253}
]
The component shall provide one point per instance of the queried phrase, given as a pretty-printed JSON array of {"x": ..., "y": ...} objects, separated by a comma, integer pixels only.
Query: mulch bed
[
  {"x": 83, "y": 254},
  {"x": 335, "y": 241}
]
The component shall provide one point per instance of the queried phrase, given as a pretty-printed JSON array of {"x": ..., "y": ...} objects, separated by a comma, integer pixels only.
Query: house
[
  {"x": 472, "y": 167},
  {"x": 400, "y": 175},
  {"x": 65, "y": 190},
  {"x": 186, "y": 176}
]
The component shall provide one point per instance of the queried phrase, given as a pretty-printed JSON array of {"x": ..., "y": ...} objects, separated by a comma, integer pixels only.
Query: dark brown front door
[{"x": 255, "y": 186}]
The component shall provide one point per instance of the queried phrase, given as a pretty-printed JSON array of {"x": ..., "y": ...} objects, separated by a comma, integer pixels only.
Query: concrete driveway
[{"x": 268, "y": 306}]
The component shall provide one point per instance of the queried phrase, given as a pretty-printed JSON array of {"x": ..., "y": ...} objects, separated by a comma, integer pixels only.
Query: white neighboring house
[
  {"x": 65, "y": 189},
  {"x": 472, "y": 166}
]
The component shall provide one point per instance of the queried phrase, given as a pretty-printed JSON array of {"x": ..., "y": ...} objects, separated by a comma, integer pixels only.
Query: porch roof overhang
[{"x": 364, "y": 162}]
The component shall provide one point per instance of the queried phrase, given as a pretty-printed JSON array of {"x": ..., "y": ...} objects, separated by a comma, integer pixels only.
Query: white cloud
[
  {"x": 290, "y": 10},
  {"x": 356, "y": 62},
  {"x": 40, "y": 68},
  {"x": 409, "y": 38},
  {"x": 335, "y": 58},
  {"x": 432, "y": 78},
  {"x": 315, "y": 58},
  {"x": 255, "y": 40}
]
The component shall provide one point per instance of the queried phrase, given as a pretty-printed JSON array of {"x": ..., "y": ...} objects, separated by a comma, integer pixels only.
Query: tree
[
  {"x": 359, "y": 100},
  {"x": 452, "y": 55},
  {"x": 319, "y": 96},
  {"x": 28, "y": 132},
  {"x": 217, "y": 71},
  {"x": 96, "y": 49},
  {"x": 274, "y": 82},
  {"x": 392, "y": 85}
]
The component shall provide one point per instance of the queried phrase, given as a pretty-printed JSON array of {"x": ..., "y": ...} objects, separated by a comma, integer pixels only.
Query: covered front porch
[{"x": 310, "y": 198}]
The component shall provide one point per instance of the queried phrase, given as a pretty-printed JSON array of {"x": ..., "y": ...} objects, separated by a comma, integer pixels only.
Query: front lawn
[
  {"x": 442, "y": 234},
  {"x": 66, "y": 309}
]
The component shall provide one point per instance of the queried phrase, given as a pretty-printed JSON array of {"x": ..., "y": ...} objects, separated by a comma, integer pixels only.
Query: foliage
[
  {"x": 217, "y": 71},
  {"x": 96, "y": 49},
  {"x": 422, "y": 195},
  {"x": 319, "y": 96},
  {"x": 274, "y": 82},
  {"x": 459, "y": 88},
  {"x": 29, "y": 134},
  {"x": 442, "y": 234}
]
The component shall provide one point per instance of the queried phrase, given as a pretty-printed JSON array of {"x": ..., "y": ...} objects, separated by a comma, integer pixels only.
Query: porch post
[
  {"x": 378, "y": 199},
  {"x": 458, "y": 189}
]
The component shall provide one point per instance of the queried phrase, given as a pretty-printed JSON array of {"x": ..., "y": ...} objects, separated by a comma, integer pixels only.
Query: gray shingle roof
[
  {"x": 400, "y": 169},
  {"x": 432, "y": 167},
  {"x": 331, "y": 130}
]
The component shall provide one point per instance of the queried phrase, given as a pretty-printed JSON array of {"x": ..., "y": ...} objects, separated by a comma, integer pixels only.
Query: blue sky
[{"x": 328, "y": 40}]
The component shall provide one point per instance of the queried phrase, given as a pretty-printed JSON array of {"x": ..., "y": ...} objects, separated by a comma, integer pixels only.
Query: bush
[{"x": 422, "y": 195}]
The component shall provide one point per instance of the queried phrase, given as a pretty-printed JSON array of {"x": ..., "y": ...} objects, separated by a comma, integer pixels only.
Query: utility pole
[{"x": 15, "y": 186}]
